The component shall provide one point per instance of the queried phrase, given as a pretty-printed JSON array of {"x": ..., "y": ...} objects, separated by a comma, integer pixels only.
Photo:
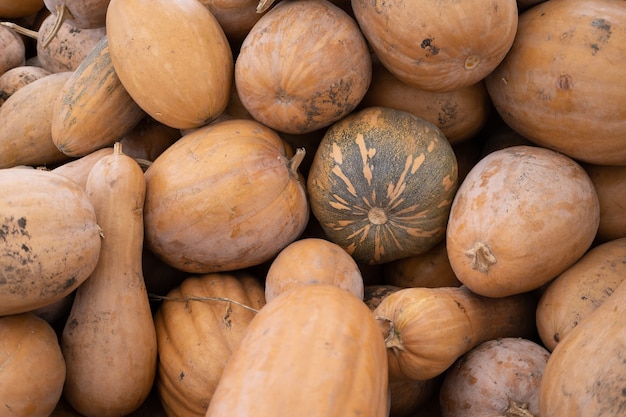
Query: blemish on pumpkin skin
[{"x": 565, "y": 82}]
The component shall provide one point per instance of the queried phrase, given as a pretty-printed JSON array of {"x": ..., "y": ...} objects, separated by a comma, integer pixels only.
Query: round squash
[
  {"x": 224, "y": 197},
  {"x": 438, "y": 46},
  {"x": 33, "y": 368},
  {"x": 51, "y": 241},
  {"x": 16, "y": 78},
  {"x": 566, "y": 64},
  {"x": 510, "y": 228},
  {"x": 173, "y": 59},
  {"x": 609, "y": 184},
  {"x": 235, "y": 17},
  {"x": 313, "y": 261},
  {"x": 499, "y": 377},
  {"x": 579, "y": 290},
  {"x": 198, "y": 326},
  {"x": 381, "y": 184},
  {"x": 82, "y": 14},
  {"x": 13, "y": 50},
  {"x": 303, "y": 66}
]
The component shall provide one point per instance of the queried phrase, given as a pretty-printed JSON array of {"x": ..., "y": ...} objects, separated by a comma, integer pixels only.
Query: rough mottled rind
[{"x": 381, "y": 184}]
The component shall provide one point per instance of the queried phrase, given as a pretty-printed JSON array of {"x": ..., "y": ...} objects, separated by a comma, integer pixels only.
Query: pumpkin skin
[
  {"x": 584, "y": 375},
  {"x": 196, "y": 338},
  {"x": 235, "y": 17},
  {"x": 381, "y": 184},
  {"x": 303, "y": 66},
  {"x": 510, "y": 229},
  {"x": 438, "y": 46},
  {"x": 427, "y": 329},
  {"x": 12, "y": 9},
  {"x": 93, "y": 109},
  {"x": 579, "y": 290},
  {"x": 15, "y": 78},
  {"x": 13, "y": 50},
  {"x": 566, "y": 63},
  {"x": 22, "y": 141},
  {"x": 33, "y": 367},
  {"x": 38, "y": 268},
  {"x": 78, "y": 169},
  {"x": 338, "y": 359},
  {"x": 312, "y": 261},
  {"x": 224, "y": 197},
  {"x": 181, "y": 78},
  {"x": 499, "y": 377},
  {"x": 84, "y": 14},
  {"x": 148, "y": 139},
  {"x": 609, "y": 184}
]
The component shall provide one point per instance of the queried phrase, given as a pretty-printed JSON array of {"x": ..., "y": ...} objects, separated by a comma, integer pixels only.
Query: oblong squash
[
  {"x": 321, "y": 338},
  {"x": 173, "y": 59},
  {"x": 50, "y": 238},
  {"x": 510, "y": 227}
]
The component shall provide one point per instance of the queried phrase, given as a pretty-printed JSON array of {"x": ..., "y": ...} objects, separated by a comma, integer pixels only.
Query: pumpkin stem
[
  {"x": 264, "y": 5},
  {"x": 62, "y": 14},
  {"x": 117, "y": 148},
  {"x": 195, "y": 298},
  {"x": 517, "y": 410},
  {"x": 296, "y": 160},
  {"x": 392, "y": 338},
  {"x": 482, "y": 257},
  {"x": 21, "y": 30}
]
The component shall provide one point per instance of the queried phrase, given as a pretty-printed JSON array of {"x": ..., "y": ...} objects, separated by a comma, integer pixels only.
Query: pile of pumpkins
[{"x": 312, "y": 207}]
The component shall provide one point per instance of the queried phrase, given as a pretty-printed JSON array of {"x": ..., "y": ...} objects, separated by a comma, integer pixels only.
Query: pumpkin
[
  {"x": 16, "y": 78},
  {"x": 459, "y": 114},
  {"x": 303, "y": 66},
  {"x": 510, "y": 228},
  {"x": 381, "y": 184},
  {"x": 499, "y": 377},
  {"x": 430, "y": 269},
  {"x": 78, "y": 169},
  {"x": 235, "y": 17},
  {"x": 312, "y": 261},
  {"x": 12, "y": 9},
  {"x": 25, "y": 124},
  {"x": 38, "y": 267},
  {"x": 224, "y": 197},
  {"x": 13, "y": 50},
  {"x": 110, "y": 331},
  {"x": 574, "y": 294},
  {"x": 323, "y": 339},
  {"x": 82, "y": 14},
  {"x": 438, "y": 47},
  {"x": 565, "y": 65},
  {"x": 33, "y": 368},
  {"x": 584, "y": 375},
  {"x": 148, "y": 139},
  {"x": 180, "y": 76},
  {"x": 427, "y": 329},
  {"x": 198, "y": 326},
  {"x": 608, "y": 182},
  {"x": 93, "y": 110}
]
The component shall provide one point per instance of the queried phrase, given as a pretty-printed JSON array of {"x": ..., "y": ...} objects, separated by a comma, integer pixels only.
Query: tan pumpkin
[
  {"x": 16, "y": 78},
  {"x": 303, "y": 66},
  {"x": 427, "y": 329},
  {"x": 11, "y": 9},
  {"x": 13, "y": 50},
  {"x": 93, "y": 109},
  {"x": 579, "y": 290},
  {"x": 499, "y": 377},
  {"x": 584, "y": 375},
  {"x": 438, "y": 47},
  {"x": 224, "y": 197},
  {"x": 460, "y": 114},
  {"x": 565, "y": 65},
  {"x": 33, "y": 368},
  {"x": 109, "y": 341},
  {"x": 381, "y": 184},
  {"x": 609, "y": 184},
  {"x": 312, "y": 261},
  {"x": 78, "y": 169},
  {"x": 198, "y": 326},
  {"x": 82, "y": 14},
  {"x": 38, "y": 267},
  {"x": 179, "y": 74},
  {"x": 336, "y": 361},
  {"x": 235, "y": 17},
  {"x": 510, "y": 228},
  {"x": 25, "y": 124}
]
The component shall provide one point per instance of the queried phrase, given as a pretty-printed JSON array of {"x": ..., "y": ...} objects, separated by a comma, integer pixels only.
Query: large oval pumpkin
[
  {"x": 522, "y": 216},
  {"x": 173, "y": 59},
  {"x": 381, "y": 184},
  {"x": 562, "y": 85},
  {"x": 224, "y": 197}
]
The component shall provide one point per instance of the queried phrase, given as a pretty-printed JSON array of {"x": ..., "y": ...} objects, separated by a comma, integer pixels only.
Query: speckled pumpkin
[{"x": 381, "y": 184}]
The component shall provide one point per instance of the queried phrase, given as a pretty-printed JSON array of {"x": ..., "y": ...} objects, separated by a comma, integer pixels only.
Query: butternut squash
[{"x": 109, "y": 339}]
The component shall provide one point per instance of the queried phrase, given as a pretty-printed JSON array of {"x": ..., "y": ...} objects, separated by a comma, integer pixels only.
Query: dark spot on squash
[
  {"x": 181, "y": 375},
  {"x": 556, "y": 337},
  {"x": 428, "y": 45},
  {"x": 565, "y": 82},
  {"x": 602, "y": 24}
]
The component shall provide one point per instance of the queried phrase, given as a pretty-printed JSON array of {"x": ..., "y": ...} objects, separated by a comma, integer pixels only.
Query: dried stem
[
  {"x": 62, "y": 14},
  {"x": 21, "y": 30}
]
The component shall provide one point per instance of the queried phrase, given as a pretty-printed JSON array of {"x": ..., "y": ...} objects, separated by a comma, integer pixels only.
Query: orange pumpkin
[
  {"x": 12, "y": 9},
  {"x": 16, "y": 78},
  {"x": 510, "y": 229},
  {"x": 438, "y": 47},
  {"x": 609, "y": 184},
  {"x": 566, "y": 64},
  {"x": 381, "y": 184}
]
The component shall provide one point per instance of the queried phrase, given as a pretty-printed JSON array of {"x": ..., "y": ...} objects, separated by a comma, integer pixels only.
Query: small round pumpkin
[
  {"x": 16, "y": 78},
  {"x": 33, "y": 367},
  {"x": 82, "y": 14},
  {"x": 609, "y": 184},
  {"x": 13, "y": 50},
  {"x": 381, "y": 184},
  {"x": 303, "y": 66},
  {"x": 438, "y": 46}
]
